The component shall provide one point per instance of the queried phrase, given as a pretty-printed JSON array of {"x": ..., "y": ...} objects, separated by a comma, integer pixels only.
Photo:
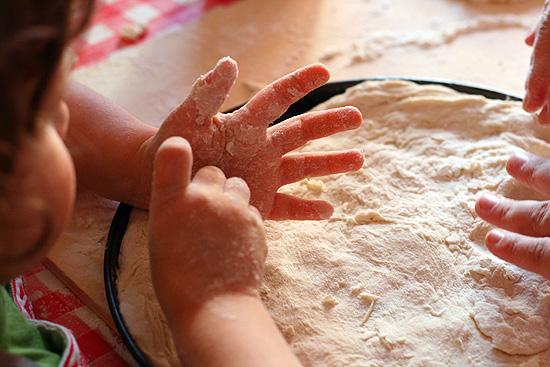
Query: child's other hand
[
  {"x": 525, "y": 240},
  {"x": 205, "y": 240},
  {"x": 242, "y": 144},
  {"x": 537, "y": 85}
]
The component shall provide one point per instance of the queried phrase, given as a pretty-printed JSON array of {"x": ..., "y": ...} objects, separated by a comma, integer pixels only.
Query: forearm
[
  {"x": 231, "y": 330},
  {"x": 105, "y": 141}
]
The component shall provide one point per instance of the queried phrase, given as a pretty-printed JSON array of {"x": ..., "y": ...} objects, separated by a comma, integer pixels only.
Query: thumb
[
  {"x": 207, "y": 95},
  {"x": 171, "y": 170}
]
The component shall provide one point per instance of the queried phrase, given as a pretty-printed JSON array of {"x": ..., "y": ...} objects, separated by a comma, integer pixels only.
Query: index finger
[
  {"x": 531, "y": 170},
  {"x": 521, "y": 216},
  {"x": 272, "y": 101}
]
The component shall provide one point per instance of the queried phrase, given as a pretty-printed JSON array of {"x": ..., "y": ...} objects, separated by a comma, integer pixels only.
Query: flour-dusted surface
[
  {"x": 399, "y": 275},
  {"x": 503, "y": 2},
  {"x": 376, "y": 44}
]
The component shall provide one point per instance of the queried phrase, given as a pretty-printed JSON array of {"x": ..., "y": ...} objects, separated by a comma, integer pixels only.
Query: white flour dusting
[
  {"x": 375, "y": 44},
  {"x": 399, "y": 275}
]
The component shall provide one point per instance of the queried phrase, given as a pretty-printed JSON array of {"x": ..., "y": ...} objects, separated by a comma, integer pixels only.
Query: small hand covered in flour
[
  {"x": 205, "y": 240},
  {"x": 525, "y": 238},
  {"x": 242, "y": 144},
  {"x": 537, "y": 86}
]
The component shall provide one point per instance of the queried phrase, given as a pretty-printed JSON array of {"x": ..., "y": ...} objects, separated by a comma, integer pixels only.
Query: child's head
[{"x": 37, "y": 180}]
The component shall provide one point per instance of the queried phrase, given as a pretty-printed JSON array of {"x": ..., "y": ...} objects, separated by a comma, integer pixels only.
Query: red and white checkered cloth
[
  {"x": 43, "y": 297},
  {"x": 103, "y": 36},
  {"x": 46, "y": 298}
]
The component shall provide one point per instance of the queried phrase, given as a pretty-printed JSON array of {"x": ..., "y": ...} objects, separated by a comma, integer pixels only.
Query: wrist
[
  {"x": 202, "y": 331},
  {"x": 221, "y": 306},
  {"x": 232, "y": 329}
]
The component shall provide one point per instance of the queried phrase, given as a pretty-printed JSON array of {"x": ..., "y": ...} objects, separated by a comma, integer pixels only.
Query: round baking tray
[{"x": 122, "y": 214}]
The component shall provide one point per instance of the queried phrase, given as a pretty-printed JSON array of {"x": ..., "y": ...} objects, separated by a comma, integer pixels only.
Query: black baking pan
[{"x": 122, "y": 215}]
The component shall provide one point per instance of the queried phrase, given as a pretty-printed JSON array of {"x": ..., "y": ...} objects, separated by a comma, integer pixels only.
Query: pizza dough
[{"x": 399, "y": 275}]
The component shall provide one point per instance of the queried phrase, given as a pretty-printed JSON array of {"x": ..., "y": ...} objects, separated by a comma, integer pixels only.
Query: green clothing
[{"x": 26, "y": 338}]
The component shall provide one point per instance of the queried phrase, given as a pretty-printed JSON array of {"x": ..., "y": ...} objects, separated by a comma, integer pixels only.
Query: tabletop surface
[{"x": 448, "y": 39}]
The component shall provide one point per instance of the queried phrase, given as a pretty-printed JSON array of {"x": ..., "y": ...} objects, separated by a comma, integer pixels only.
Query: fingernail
[
  {"x": 494, "y": 237},
  {"x": 518, "y": 159},
  {"x": 487, "y": 202}
]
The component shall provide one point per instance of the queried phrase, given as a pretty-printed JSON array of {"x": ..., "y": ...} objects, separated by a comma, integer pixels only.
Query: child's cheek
[{"x": 61, "y": 190}]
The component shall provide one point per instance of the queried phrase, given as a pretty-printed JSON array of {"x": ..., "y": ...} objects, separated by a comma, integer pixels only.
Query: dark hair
[{"x": 33, "y": 35}]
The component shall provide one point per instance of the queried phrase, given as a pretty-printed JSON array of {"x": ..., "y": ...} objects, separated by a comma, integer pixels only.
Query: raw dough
[{"x": 417, "y": 288}]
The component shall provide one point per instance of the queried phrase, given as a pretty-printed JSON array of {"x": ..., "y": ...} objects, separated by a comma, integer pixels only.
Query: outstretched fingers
[
  {"x": 295, "y": 167},
  {"x": 298, "y": 130},
  {"x": 529, "y": 253},
  {"x": 291, "y": 207},
  {"x": 273, "y": 100}
]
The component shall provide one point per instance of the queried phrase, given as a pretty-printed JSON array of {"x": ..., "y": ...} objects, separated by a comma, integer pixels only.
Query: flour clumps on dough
[
  {"x": 420, "y": 289},
  {"x": 314, "y": 186},
  {"x": 329, "y": 302}
]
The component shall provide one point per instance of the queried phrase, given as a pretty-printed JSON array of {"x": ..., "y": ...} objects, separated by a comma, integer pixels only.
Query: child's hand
[
  {"x": 537, "y": 85},
  {"x": 205, "y": 240},
  {"x": 242, "y": 145},
  {"x": 526, "y": 241}
]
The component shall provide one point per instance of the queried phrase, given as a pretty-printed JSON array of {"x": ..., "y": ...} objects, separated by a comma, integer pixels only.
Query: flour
[
  {"x": 329, "y": 301},
  {"x": 375, "y": 44},
  {"x": 314, "y": 186},
  {"x": 418, "y": 288}
]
